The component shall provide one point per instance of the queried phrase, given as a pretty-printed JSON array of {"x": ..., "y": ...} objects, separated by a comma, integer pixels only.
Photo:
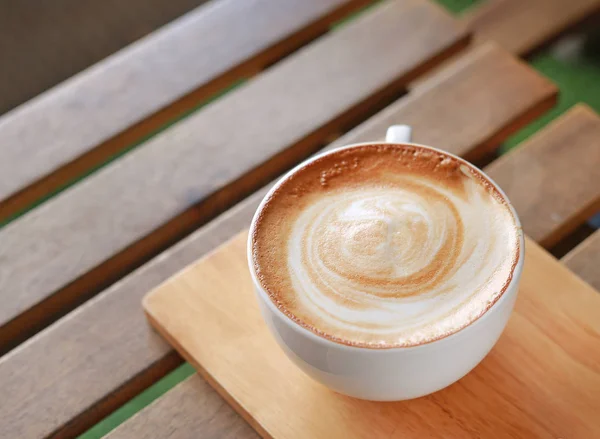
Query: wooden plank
[
  {"x": 96, "y": 232},
  {"x": 549, "y": 179},
  {"x": 103, "y": 110},
  {"x": 210, "y": 313},
  {"x": 91, "y": 339},
  {"x": 69, "y": 36},
  {"x": 584, "y": 260},
  {"x": 522, "y": 26}
]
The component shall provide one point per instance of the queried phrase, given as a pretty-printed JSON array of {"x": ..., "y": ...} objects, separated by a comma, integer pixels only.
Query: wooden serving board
[{"x": 541, "y": 380}]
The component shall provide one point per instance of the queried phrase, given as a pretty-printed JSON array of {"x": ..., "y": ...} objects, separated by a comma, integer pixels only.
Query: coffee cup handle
[{"x": 398, "y": 134}]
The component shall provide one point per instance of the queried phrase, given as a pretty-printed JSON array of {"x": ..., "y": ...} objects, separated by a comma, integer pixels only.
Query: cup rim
[{"x": 514, "y": 280}]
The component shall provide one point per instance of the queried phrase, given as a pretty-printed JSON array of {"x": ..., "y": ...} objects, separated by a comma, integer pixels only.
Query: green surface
[
  {"x": 579, "y": 81},
  {"x": 458, "y": 6}
]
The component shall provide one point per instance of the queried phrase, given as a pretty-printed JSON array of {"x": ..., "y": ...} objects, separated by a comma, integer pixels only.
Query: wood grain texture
[
  {"x": 108, "y": 107},
  {"x": 553, "y": 390},
  {"x": 97, "y": 231},
  {"x": 212, "y": 417},
  {"x": 551, "y": 179},
  {"x": 584, "y": 260},
  {"x": 521, "y": 26},
  {"x": 44, "y": 43},
  {"x": 91, "y": 339}
]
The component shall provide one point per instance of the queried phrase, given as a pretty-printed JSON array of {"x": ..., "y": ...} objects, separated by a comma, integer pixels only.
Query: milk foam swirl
[{"x": 397, "y": 260}]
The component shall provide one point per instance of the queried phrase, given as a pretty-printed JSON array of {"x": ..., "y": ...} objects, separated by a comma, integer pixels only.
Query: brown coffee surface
[{"x": 385, "y": 245}]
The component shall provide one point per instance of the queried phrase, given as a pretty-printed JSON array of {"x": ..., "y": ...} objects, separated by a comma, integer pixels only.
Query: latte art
[{"x": 401, "y": 247}]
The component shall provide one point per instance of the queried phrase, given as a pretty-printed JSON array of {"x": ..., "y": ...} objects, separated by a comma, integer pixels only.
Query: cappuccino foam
[{"x": 385, "y": 246}]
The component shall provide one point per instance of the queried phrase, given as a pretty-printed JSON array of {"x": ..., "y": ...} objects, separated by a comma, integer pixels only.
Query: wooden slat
[
  {"x": 91, "y": 339},
  {"x": 116, "y": 219},
  {"x": 44, "y": 43},
  {"x": 584, "y": 260},
  {"x": 521, "y": 26},
  {"x": 552, "y": 178},
  {"x": 90, "y": 117},
  {"x": 212, "y": 419}
]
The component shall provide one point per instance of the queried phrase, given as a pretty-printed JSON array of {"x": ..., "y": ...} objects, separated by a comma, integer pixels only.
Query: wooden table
[{"x": 124, "y": 174}]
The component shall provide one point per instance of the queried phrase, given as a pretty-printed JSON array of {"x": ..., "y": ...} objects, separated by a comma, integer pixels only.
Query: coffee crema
[{"x": 385, "y": 246}]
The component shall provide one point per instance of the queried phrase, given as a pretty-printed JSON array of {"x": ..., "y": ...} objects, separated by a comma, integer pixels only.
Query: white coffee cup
[{"x": 396, "y": 373}]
